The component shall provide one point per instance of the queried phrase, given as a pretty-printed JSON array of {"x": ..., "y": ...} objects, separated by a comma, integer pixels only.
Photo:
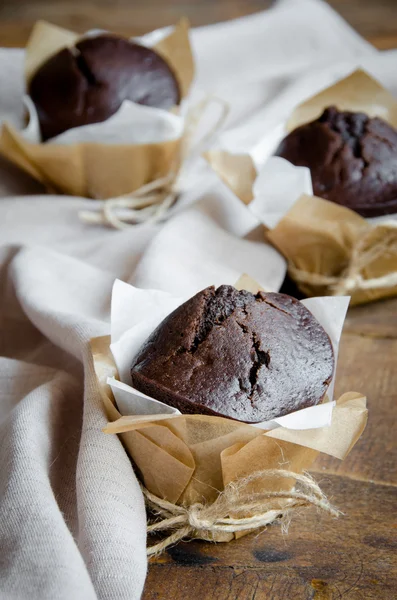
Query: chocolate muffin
[
  {"x": 234, "y": 354},
  {"x": 88, "y": 83},
  {"x": 352, "y": 159}
]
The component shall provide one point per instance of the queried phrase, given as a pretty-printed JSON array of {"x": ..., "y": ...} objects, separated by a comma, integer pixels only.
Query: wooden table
[
  {"x": 374, "y": 19},
  {"x": 354, "y": 557}
]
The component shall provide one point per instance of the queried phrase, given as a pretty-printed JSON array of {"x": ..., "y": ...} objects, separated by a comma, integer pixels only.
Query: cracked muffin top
[
  {"x": 230, "y": 353},
  {"x": 352, "y": 159},
  {"x": 88, "y": 83}
]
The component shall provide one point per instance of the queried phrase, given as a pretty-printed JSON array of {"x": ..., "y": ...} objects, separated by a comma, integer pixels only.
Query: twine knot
[
  {"x": 352, "y": 283},
  {"x": 197, "y": 518},
  {"x": 244, "y": 505},
  {"x": 365, "y": 252}
]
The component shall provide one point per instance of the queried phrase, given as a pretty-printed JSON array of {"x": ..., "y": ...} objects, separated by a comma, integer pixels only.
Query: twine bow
[
  {"x": 251, "y": 509},
  {"x": 363, "y": 254},
  {"x": 150, "y": 202}
]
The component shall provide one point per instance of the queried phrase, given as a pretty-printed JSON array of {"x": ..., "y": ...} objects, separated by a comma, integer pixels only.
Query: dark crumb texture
[
  {"x": 229, "y": 353},
  {"x": 352, "y": 159},
  {"x": 89, "y": 82}
]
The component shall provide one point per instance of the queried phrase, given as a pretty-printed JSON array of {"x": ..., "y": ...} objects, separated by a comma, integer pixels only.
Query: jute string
[
  {"x": 363, "y": 254},
  {"x": 150, "y": 202},
  {"x": 250, "y": 509}
]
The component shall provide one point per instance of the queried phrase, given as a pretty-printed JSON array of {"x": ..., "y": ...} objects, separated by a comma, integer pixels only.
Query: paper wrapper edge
[
  {"x": 190, "y": 458},
  {"x": 358, "y": 92},
  {"x": 338, "y": 228},
  {"x": 90, "y": 170},
  {"x": 237, "y": 171},
  {"x": 95, "y": 170},
  {"x": 177, "y": 51},
  {"x": 315, "y": 235},
  {"x": 44, "y": 41},
  {"x": 318, "y": 236},
  {"x": 47, "y": 39}
]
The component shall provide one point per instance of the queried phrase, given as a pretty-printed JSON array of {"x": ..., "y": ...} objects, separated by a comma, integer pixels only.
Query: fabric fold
[{"x": 72, "y": 516}]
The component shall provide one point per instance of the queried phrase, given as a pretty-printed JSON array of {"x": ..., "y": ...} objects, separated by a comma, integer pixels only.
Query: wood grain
[
  {"x": 321, "y": 558},
  {"x": 367, "y": 365},
  {"x": 376, "y": 20}
]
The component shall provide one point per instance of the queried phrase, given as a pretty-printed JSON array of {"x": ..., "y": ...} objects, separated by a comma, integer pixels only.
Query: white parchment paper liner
[
  {"x": 186, "y": 459},
  {"x": 330, "y": 249},
  {"x": 136, "y": 313},
  {"x": 137, "y": 146},
  {"x": 132, "y": 124}
]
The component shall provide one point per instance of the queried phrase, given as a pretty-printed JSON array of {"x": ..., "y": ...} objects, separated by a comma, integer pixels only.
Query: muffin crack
[
  {"x": 84, "y": 69},
  {"x": 245, "y": 370},
  {"x": 221, "y": 305},
  {"x": 277, "y": 307},
  {"x": 351, "y": 127},
  {"x": 260, "y": 358},
  {"x": 383, "y": 139},
  {"x": 243, "y": 327},
  {"x": 351, "y": 157}
]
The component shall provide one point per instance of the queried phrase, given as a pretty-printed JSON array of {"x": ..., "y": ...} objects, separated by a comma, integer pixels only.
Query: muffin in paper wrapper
[
  {"x": 135, "y": 146},
  {"x": 186, "y": 459},
  {"x": 330, "y": 249}
]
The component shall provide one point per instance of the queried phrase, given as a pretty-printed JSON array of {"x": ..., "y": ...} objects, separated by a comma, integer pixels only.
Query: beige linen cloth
[{"x": 72, "y": 518}]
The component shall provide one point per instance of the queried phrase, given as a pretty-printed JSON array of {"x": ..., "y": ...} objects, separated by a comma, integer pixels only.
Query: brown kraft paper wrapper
[
  {"x": 96, "y": 170},
  {"x": 191, "y": 458},
  {"x": 317, "y": 236}
]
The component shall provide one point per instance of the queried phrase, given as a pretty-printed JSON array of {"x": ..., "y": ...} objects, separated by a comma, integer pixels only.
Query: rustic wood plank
[
  {"x": 376, "y": 320},
  {"x": 374, "y": 20},
  {"x": 369, "y": 18},
  {"x": 383, "y": 42},
  {"x": 129, "y": 18},
  {"x": 369, "y": 338},
  {"x": 367, "y": 365},
  {"x": 228, "y": 584},
  {"x": 323, "y": 558}
]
